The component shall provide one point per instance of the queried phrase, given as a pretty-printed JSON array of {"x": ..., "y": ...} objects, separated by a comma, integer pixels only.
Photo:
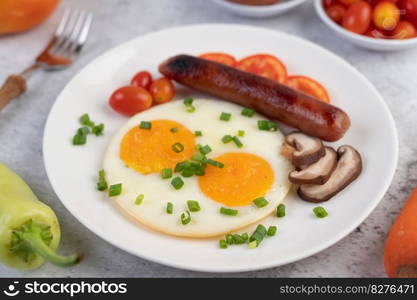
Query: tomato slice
[
  {"x": 264, "y": 65},
  {"x": 308, "y": 86},
  {"x": 219, "y": 57}
]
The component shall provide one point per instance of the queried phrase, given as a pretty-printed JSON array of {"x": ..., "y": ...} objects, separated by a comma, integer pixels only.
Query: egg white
[{"x": 158, "y": 192}]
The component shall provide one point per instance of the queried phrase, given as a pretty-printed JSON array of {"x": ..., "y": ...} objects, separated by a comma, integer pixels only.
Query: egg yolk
[
  {"x": 243, "y": 178},
  {"x": 150, "y": 151}
]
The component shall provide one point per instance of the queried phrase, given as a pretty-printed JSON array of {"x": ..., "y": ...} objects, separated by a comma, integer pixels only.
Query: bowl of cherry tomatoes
[{"x": 385, "y": 25}]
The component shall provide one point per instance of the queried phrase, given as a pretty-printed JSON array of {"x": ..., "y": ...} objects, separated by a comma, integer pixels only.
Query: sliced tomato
[
  {"x": 308, "y": 86},
  {"x": 264, "y": 65},
  {"x": 219, "y": 57}
]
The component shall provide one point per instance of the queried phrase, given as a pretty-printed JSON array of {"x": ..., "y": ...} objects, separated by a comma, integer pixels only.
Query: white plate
[{"x": 73, "y": 170}]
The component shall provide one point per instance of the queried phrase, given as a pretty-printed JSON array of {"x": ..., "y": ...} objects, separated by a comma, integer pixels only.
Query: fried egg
[{"x": 136, "y": 157}]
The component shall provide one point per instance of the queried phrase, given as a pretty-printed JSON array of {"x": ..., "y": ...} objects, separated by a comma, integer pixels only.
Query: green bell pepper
[{"x": 29, "y": 229}]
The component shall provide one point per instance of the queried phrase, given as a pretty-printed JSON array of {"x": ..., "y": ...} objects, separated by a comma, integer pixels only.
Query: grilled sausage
[{"x": 274, "y": 100}]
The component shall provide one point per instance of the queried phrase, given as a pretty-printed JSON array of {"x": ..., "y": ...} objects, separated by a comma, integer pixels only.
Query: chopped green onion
[
  {"x": 170, "y": 208},
  {"x": 145, "y": 125},
  {"x": 102, "y": 183},
  {"x": 177, "y": 183},
  {"x": 115, "y": 190},
  {"x": 200, "y": 171},
  {"x": 85, "y": 120},
  {"x": 182, "y": 165},
  {"x": 79, "y": 139},
  {"x": 84, "y": 130},
  {"x": 272, "y": 230},
  {"x": 166, "y": 173},
  {"x": 185, "y": 217},
  {"x": 227, "y": 139},
  {"x": 248, "y": 112},
  {"x": 237, "y": 142},
  {"x": 253, "y": 244},
  {"x": 258, "y": 235},
  {"x": 228, "y": 211},
  {"x": 244, "y": 236},
  {"x": 188, "y": 101},
  {"x": 205, "y": 149},
  {"x": 238, "y": 239},
  {"x": 320, "y": 212},
  {"x": 260, "y": 202},
  {"x": 198, "y": 133},
  {"x": 198, "y": 157},
  {"x": 139, "y": 199},
  {"x": 193, "y": 205},
  {"x": 281, "y": 211},
  {"x": 229, "y": 239},
  {"x": 188, "y": 172},
  {"x": 223, "y": 244},
  {"x": 267, "y": 125},
  {"x": 177, "y": 147},
  {"x": 215, "y": 163},
  {"x": 190, "y": 109},
  {"x": 174, "y": 129},
  {"x": 225, "y": 116},
  {"x": 98, "y": 130},
  {"x": 241, "y": 133}
]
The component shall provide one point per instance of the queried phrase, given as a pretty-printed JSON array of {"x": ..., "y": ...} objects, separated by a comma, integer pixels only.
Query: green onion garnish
[
  {"x": 98, "y": 130},
  {"x": 258, "y": 235},
  {"x": 139, "y": 199},
  {"x": 225, "y": 116},
  {"x": 244, "y": 236},
  {"x": 181, "y": 166},
  {"x": 200, "y": 171},
  {"x": 83, "y": 130},
  {"x": 267, "y": 125},
  {"x": 205, "y": 149},
  {"x": 188, "y": 101},
  {"x": 166, "y": 173},
  {"x": 227, "y": 139},
  {"x": 248, "y": 112},
  {"x": 177, "y": 183},
  {"x": 320, "y": 212},
  {"x": 102, "y": 183},
  {"x": 115, "y": 190},
  {"x": 177, "y": 147},
  {"x": 198, "y": 133},
  {"x": 229, "y": 239},
  {"x": 241, "y": 133},
  {"x": 272, "y": 230},
  {"x": 281, "y": 211},
  {"x": 185, "y": 218},
  {"x": 174, "y": 129},
  {"x": 253, "y": 244},
  {"x": 79, "y": 139},
  {"x": 198, "y": 157},
  {"x": 237, "y": 142},
  {"x": 145, "y": 125},
  {"x": 188, "y": 172},
  {"x": 228, "y": 211},
  {"x": 85, "y": 120},
  {"x": 238, "y": 239},
  {"x": 223, "y": 244},
  {"x": 260, "y": 202},
  {"x": 193, "y": 205},
  {"x": 190, "y": 109},
  {"x": 215, "y": 163},
  {"x": 170, "y": 208}
]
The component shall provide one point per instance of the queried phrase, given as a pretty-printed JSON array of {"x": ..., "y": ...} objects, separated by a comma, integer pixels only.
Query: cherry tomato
[
  {"x": 410, "y": 8},
  {"x": 142, "y": 79},
  {"x": 264, "y": 65},
  {"x": 328, "y": 3},
  {"x": 308, "y": 86},
  {"x": 130, "y": 100},
  {"x": 376, "y": 33},
  {"x": 375, "y": 2},
  {"x": 386, "y": 15},
  {"x": 404, "y": 30},
  {"x": 348, "y": 2},
  {"x": 336, "y": 12},
  {"x": 358, "y": 17},
  {"x": 222, "y": 58},
  {"x": 162, "y": 90}
]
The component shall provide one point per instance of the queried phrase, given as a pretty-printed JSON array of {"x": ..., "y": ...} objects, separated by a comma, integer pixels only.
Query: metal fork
[{"x": 61, "y": 51}]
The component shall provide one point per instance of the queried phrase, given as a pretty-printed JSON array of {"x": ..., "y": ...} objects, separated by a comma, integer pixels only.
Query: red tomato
[
  {"x": 358, "y": 17},
  {"x": 308, "y": 86},
  {"x": 264, "y": 65},
  {"x": 375, "y": 2},
  {"x": 348, "y": 2},
  {"x": 376, "y": 33},
  {"x": 142, "y": 79},
  {"x": 336, "y": 12},
  {"x": 404, "y": 30},
  {"x": 410, "y": 8},
  {"x": 386, "y": 15},
  {"x": 222, "y": 58},
  {"x": 162, "y": 90},
  {"x": 129, "y": 100},
  {"x": 328, "y": 3}
]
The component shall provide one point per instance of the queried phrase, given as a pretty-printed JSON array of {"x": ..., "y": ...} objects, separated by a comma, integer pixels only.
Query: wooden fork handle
[{"x": 14, "y": 86}]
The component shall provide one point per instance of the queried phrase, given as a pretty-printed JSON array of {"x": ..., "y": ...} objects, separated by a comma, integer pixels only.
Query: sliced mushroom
[
  {"x": 317, "y": 173},
  {"x": 348, "y": 168},
  {"x": 308, "y": 150}
]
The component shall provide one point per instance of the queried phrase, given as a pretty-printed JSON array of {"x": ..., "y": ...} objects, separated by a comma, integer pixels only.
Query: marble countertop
[{"x": 22, "y": 123}]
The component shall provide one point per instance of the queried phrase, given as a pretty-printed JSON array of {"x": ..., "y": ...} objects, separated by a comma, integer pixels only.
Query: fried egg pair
[{"x": 136, "y": 157}]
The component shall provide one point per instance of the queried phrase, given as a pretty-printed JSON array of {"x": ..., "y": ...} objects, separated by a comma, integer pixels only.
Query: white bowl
[
  {"x": 258, "y": 11},
  {"x": 362, "y": 40}
]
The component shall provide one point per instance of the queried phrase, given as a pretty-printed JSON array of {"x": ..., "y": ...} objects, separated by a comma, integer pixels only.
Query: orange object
[
  {"x": 130, "y": 100},
  {"x": 222, "y": 58},
  {"x": 308, "y": 86},
  {"x": 264, "y": 65},
  {"x": 386, "y": 15},
  {"x": 20, "y": 15},
  {"x": 162, "y": 90},
  {"x": 400, "y": 255},
  {"x": 404, "y": 30}
]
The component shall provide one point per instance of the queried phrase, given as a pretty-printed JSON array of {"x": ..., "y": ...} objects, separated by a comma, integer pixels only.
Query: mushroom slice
[
  {"x": 308, "y": 150},
  {"x": 317, "y": 173},
  {"x": 348, "y": 168}
]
